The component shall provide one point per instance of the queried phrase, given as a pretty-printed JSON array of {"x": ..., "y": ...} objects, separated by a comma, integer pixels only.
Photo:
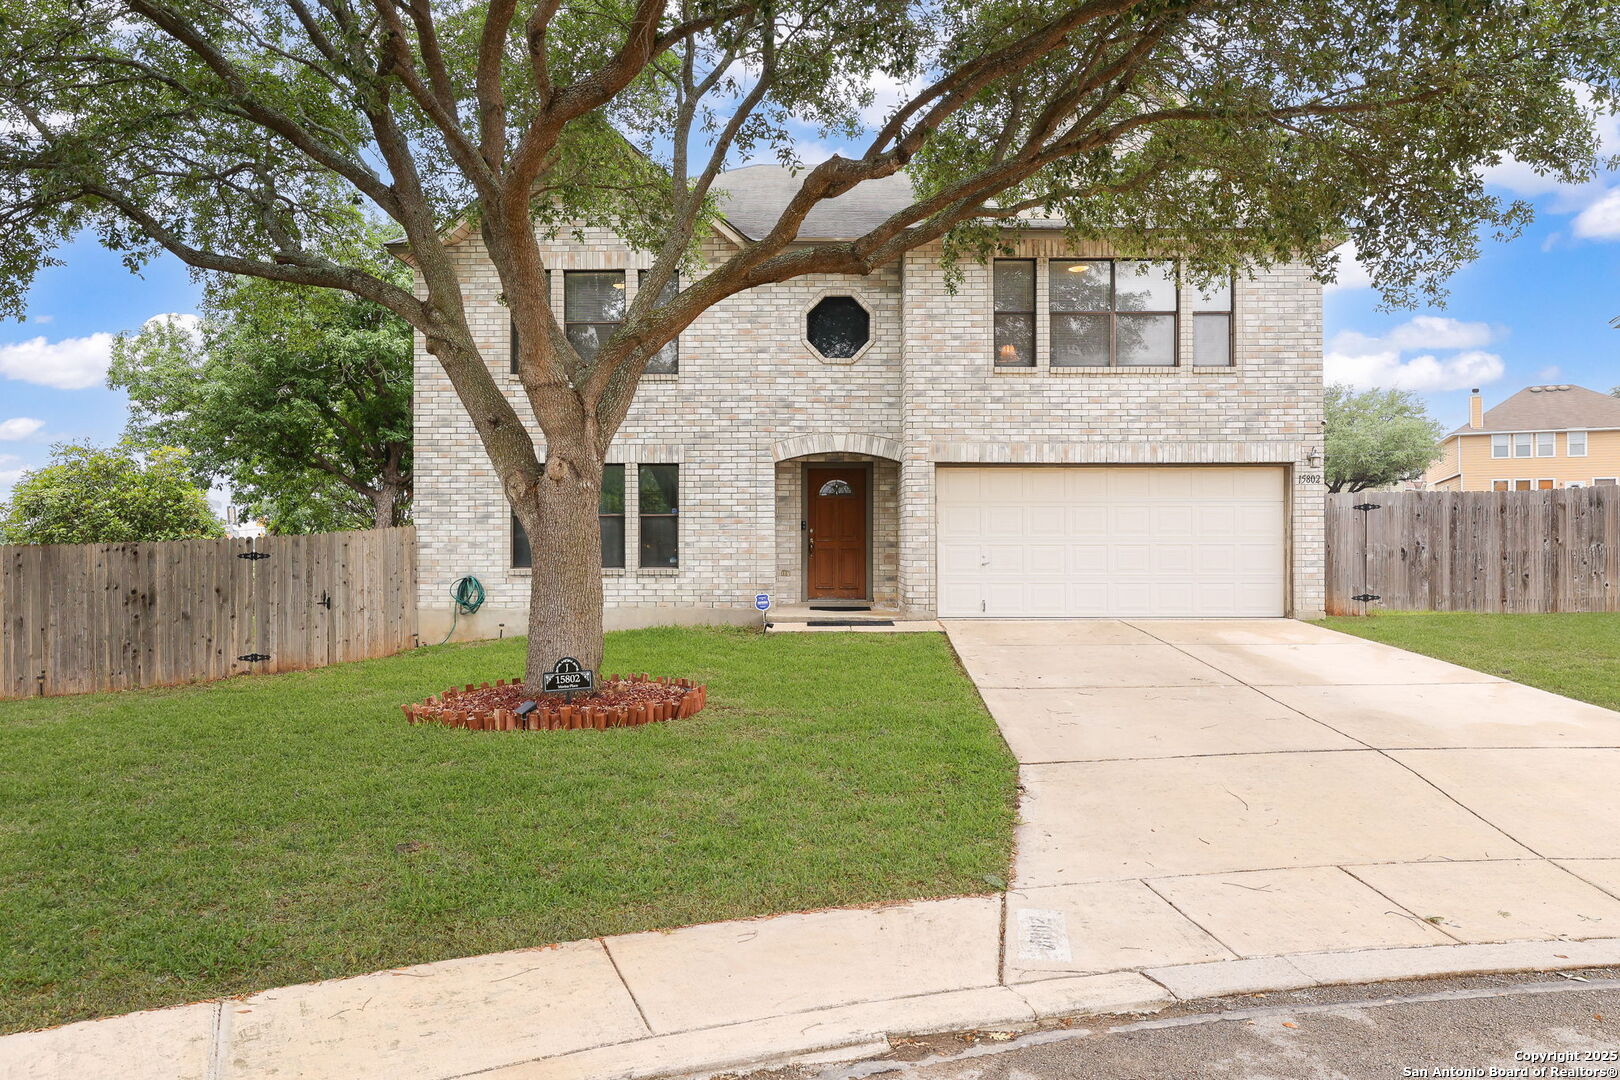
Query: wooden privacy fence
[
  {"x": 83, "y": 617},
  {"x": 1474, "y": 551}
]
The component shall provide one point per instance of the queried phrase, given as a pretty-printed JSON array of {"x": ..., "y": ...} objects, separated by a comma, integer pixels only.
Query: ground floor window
[
  {"x": 610, "y": 517},
  {"x": 660, "y": 508}
]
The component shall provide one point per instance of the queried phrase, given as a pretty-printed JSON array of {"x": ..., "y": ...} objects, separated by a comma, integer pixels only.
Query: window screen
[
  {"x": 667, "y": 362},
  {"x": 593, "y": 305},
  {"x": 1014, "y": 288},
  {"x": 659, "y": 497},
  {"x": 1112, "y": 314}
]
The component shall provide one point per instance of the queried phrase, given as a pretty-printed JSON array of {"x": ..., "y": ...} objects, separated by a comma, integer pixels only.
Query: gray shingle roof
[
  {"x": 1551, "y": 408},
  {"x": 753, "y": 197}
]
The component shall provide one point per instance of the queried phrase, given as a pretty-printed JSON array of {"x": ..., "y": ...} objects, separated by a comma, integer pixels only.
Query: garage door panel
[{"x": 1111, "y": 542}]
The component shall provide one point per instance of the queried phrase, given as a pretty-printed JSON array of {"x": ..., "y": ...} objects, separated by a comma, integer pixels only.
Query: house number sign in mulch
[{"x": 616, "y": 701}]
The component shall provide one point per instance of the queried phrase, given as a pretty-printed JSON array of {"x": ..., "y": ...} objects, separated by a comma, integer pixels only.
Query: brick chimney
[{"x": 1476, "y": 410}]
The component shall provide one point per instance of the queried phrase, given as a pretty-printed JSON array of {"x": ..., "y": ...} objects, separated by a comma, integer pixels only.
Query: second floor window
[
  {"x": 1499, "y": 446},
  {"x": 1577, "y": 443},
  {"x": 668, "y": 359},
  {"x": 1014, "y": 288},
  {"x": 593, "y": 305},
  {"x": 1546, "y": 444},
  {"x": 1212, "y": 326},
  {"x": 1108, "y": 313},
  {"x": 1523, "y": 444}
]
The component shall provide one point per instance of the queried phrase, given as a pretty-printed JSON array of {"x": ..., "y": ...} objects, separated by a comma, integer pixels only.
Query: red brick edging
[{"x": 555, "y": 716}]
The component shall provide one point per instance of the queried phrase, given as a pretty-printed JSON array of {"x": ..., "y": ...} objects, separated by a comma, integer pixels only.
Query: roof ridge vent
[
  {"x": 1565, "y": 386},
  {"x": 1537, "y": 389}
]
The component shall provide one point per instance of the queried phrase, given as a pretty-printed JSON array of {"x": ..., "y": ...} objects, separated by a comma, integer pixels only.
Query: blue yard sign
[{"x": 762, "y": 601}]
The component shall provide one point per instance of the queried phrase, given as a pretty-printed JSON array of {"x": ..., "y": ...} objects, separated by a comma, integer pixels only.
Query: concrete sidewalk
[{"x": 1209, "y": 808}]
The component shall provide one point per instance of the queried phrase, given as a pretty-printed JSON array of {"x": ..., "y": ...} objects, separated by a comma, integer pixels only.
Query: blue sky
[{"x": 1535, "y": 310}]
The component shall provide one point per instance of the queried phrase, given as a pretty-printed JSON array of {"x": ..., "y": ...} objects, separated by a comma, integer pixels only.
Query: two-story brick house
[
  {"x": 1540, "y": 439},
  {"x": 1059, "y": 434}
]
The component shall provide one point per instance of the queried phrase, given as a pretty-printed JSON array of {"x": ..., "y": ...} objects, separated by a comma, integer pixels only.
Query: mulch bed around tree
[{"x": 620, "y": 701}]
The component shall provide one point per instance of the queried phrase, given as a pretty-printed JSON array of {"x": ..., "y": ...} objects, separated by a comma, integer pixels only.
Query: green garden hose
[{"x": 468, "y": 593}]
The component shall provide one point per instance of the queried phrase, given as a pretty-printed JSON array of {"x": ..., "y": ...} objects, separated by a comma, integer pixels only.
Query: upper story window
[
  {"x": 1014, "y": 289},
  {"x": 512, "y": 332},
  {"x": 1576, "y": 441},
  {"x": 1546, "y": 444},
  {"x": 1499, "y": 446},
  {"x": 1212, "y": 325},
  {"x": 593, "y": 306},
  {"x": 838, "y": 327},
  {"x": 1112, "y": 313},
  {"x": 668, "y": 359},
  {"x": 1523, "y": 444}
]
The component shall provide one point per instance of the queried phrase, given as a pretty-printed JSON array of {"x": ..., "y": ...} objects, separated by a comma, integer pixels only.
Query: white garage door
[{"x": 1068, "y": 541}]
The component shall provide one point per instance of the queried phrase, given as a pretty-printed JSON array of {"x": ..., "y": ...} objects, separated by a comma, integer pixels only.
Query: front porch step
[{"x": 803, "y": 613}]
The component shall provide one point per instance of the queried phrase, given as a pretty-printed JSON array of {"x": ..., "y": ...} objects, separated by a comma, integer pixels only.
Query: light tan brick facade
[{"x": 751, "y": 404}]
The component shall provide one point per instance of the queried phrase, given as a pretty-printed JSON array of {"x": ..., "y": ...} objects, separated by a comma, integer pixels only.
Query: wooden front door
[{"x": 836, "y": 562}]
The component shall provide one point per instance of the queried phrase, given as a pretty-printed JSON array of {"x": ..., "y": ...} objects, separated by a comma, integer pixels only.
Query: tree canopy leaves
[
  {"x": 298, "y": 398},
  {"x": 1375, "y": 438},
  {"x": 108, "y": 495}
]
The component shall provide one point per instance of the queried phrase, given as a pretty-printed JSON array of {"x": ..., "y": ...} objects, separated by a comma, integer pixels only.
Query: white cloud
[
  {"x": 185, "y": 320},
  {"x": 887, "y": 95},
  {"x": 1601, "y": 220},
  {"x": 19, "y": 427},
  {"x": 1549, "y": 373},
  {"x": 75, "y": 363},
  {"x": 1418, "y": 332},
  {"x": 1351, "y": 274},
  {"x": 1422, "y": 373},
  {"x": 42, "y": 319},
  {"x": 10, "y": 472},
  {"x": 68, "y": 364},
  {"x": 1363, "y": 360}
]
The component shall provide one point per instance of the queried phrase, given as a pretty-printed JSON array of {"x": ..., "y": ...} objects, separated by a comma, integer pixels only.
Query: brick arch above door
[{"x": 836, "y": 442}]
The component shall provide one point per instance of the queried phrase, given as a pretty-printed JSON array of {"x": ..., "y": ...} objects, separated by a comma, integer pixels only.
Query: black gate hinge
[
  {"x": 1366, "y": 596},
  {"x": 253, "y": 556},
  {"x": 1365, "y": 506},
  {"x": 254, "y": 657}
]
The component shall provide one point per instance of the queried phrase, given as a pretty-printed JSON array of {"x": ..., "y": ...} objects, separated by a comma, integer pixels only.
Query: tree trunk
[
  {"x": 565, "y": 588},
  {"x": 383, "y": 501}
]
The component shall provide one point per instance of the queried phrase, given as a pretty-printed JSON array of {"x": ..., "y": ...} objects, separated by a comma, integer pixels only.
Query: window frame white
[
  {"x": 1528, "y": 444},
  {"x": 1504, "y": 441},
  {"x": 1546, "y": 444},
  {"x": 1569, "y": 444}
]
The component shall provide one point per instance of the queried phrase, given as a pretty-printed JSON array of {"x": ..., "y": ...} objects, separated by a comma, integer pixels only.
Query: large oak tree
[{"x": 1230, "y": 132}]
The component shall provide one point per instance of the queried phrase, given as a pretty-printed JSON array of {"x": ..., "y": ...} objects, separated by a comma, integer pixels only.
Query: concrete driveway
[{"x": 1259, "y": 790}]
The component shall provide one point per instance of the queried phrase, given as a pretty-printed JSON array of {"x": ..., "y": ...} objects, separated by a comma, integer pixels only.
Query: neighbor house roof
[{"x": 1549, "y": 408}]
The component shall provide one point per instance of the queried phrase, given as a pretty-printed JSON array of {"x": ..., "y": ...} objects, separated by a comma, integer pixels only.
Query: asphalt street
[{"x": 1543, "y": 1025}]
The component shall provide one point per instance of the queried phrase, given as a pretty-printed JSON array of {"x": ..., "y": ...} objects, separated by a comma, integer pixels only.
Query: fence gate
[
  {"x": 86, "y": 617},
  {"x": 1491, "y": 551}
]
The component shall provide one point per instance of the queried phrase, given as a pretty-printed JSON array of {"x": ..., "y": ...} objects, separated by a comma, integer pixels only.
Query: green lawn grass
[
  {"x": 161, "y": 846},
  {"x": 1577, "y": 655}
]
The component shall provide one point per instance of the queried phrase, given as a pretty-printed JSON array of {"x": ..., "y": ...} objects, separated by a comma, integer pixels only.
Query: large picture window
[
  {"x": 668, "y": 360},
  {"x": 1014, "y": 288},
  {"x": 593, "y": 306},
  {"x": 659, "y": 497},
  {"x": 1108, "y": 313},
  {"x": 610, "y": 517}
]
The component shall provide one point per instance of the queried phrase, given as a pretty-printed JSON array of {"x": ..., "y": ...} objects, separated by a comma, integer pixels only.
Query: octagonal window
[{"x": 838, "y": 327}]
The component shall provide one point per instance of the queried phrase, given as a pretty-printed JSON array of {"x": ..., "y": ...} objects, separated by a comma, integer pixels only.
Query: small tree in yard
[
  {"x": 1230, "y": 133},
  {"x": 108, "y": 495},
  {"x": 1376, "y": 437},
  {"x": 299, "y": 397}
]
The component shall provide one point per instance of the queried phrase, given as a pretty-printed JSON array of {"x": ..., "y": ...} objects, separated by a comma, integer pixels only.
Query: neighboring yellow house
[{"x": 1542, "y": 437}]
